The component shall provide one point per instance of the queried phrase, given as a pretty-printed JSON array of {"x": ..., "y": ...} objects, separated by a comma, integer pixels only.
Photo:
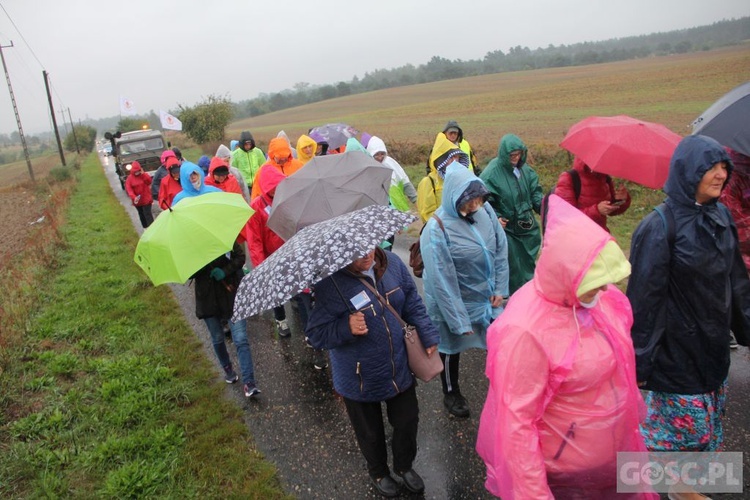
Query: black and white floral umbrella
[{"x": 315, "y": 252}]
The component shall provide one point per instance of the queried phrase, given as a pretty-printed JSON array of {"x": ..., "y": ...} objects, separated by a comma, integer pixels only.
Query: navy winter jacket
[
  {"x": 371, "y": 367},
  {"x": 684, "y": 292}
]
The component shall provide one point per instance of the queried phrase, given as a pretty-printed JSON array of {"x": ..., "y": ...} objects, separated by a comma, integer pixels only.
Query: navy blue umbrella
[{"x": 728, "y": 120}]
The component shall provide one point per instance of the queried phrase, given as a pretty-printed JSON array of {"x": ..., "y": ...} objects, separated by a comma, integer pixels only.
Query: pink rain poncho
[{"x": 563, "y": 398}]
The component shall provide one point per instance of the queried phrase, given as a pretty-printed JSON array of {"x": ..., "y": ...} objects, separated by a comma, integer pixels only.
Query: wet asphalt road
[{"x": 300, "y": 424}]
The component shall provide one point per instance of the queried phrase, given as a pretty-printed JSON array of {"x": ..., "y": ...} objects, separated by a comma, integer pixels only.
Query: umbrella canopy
[
  {"x": 312, "y": 254},
  {"x": 727, "y": 120},
  {"x": 624, "y": 147},
  {"x": 335, "y": 134},
  {"x": 189, "y": 235},
  {"x": 325, "y": 187}
]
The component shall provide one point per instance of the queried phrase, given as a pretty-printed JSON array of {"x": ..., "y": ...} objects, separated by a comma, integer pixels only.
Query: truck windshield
[{"x": 128, "y": 148}]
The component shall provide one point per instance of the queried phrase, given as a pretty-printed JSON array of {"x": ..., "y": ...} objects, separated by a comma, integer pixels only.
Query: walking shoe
[
  {"x": 386, "y": 486},
  {"x": 283, "y": 328},
  {"x": 229, "y": 376},
  {"x": 307, "y": 343},
  {"x": 456, "y": 405},
  {"x": 320, "y": 361},
  {"x": 251, "y": 390},
  {"x": 412, "y": 481}
]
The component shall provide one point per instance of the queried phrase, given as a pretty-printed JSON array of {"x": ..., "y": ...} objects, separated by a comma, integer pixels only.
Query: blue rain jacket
[
  {"x": 188, "y": 190},
  {"x": 463, "y": 267},
  {"x": 683, "y": 294}
]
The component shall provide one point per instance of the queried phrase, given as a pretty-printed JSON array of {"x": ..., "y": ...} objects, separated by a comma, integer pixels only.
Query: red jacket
[
  {"x": 595, "y": 187},
  {"x": 139, "y": 185},
  {"x": 230, "y": 184},
  {"x": 261, "y": 241},
  {"x": 167, "y": 191},
  {"x": 736, "y": 196}
]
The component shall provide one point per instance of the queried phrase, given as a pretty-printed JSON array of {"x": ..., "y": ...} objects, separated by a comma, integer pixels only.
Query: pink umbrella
[{"x": 624, "y": 147}]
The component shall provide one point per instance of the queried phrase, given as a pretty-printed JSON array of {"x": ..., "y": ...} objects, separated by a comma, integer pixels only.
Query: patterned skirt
[{"x": 680, "y": 422}]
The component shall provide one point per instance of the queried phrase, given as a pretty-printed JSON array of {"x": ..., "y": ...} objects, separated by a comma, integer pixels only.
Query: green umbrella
[{"x": 191, "y": 234}]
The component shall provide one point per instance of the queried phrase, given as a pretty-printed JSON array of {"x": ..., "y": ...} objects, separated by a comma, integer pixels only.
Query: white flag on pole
[
  {"x": 169, "y": 122},
  {"x": 127, "y": 107}
]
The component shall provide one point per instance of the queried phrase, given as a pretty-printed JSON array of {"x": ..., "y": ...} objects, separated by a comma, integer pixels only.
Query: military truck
[{"x": 145, "y": 146}]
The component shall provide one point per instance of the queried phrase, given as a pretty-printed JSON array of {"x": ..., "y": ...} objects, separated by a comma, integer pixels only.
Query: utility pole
[
  {"x": 74, "y": 132},
  {"x": 15, "y": 110},
  {"x": 54, "y": 120}
]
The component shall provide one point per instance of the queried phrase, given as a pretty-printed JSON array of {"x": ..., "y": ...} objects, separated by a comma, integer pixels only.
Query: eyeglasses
[{"x": 515, "y": 154}]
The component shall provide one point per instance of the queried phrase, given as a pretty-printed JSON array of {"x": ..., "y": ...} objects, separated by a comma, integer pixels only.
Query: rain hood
[{"x": 563, "y": 398}]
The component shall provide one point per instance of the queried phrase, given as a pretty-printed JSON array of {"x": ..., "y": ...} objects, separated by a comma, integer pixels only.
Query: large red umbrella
[{"x": 624, "y": 147}]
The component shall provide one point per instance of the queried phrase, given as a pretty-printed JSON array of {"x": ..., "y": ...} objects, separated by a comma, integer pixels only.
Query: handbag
[{"x": 424, "y": 367}]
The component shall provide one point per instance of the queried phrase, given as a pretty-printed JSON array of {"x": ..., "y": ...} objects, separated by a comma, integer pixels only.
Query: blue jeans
[{"x": 239, "y": 338}]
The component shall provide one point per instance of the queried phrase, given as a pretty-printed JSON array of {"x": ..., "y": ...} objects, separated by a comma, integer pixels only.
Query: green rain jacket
[{"x": 516, "y": 199}]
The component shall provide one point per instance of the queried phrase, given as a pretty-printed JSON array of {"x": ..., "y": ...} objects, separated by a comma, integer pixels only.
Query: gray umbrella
[
  {"x": 727, "y": 120},
  {"x": 325, "y": 187},
  {"x": 312, "y": 254}
]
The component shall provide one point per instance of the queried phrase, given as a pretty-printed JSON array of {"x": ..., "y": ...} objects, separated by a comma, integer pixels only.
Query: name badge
[{"x": 360, "y": 300}]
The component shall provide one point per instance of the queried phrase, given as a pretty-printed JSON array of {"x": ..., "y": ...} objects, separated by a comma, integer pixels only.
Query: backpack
[
  {"x": 575, "y": 178},
  {"x": 415, "y": 251}
]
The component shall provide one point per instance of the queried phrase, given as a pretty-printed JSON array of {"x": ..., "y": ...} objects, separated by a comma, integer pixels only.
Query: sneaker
[
  {"x": 229, "y": 376},
  {"x": 320, "y": 362},
  {"x": 251, "y": 390},
  {"x": 456, "y": 405},
  {"x": 283, "y": 328},
  {"x": 308, "y": 344}
]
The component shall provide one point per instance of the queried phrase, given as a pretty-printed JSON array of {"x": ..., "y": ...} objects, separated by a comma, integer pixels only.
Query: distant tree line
[
  {"x": 198, "y": 127},
  {"x": 719, "y": 34}
]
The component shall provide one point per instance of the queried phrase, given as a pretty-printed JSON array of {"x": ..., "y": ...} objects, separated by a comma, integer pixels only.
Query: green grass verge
[{"x": 110, "y": 394}]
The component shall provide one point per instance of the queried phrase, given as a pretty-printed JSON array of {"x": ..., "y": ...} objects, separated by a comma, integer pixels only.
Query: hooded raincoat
[
  {"x": 463, "y": 267},
  {"x": 303, "y": 142},
  {"x": 229, "y": 184},
  {"x": 515, "y": 195},
  {"x": 464, "y": 145},
  {"x": 169, "y": 187},
  {"x": 261, "y": 241},
  {"x": 430, "y": 188},
  {"x": 562, "y": 399},
  {"x": 686, "y": 295},
  {"x": 736, "y": 197},
  {"x": 595, "y": 188},
  {"x": 224, "y": 153},
  {"x": 247, "y": 162},
  {"x": 402, "y": 190},
  {"x": 278, "y": 148},
  {"x": 139, "y": 185},
  {"x": 188, "y": 190}
]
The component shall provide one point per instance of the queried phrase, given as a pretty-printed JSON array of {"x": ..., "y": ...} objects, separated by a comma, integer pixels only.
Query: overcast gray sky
[{"x": 160, "y": 54}]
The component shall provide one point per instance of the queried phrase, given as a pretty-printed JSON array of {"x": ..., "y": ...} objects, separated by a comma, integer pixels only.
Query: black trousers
[
  {"x": 144, "y": 213},
  {"x": 449, "y": 375},
  {"x": 367, "y": 420}
]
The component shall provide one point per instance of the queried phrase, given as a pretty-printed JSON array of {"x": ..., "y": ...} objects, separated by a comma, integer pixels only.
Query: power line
[{"x": 21, "y": 35}]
